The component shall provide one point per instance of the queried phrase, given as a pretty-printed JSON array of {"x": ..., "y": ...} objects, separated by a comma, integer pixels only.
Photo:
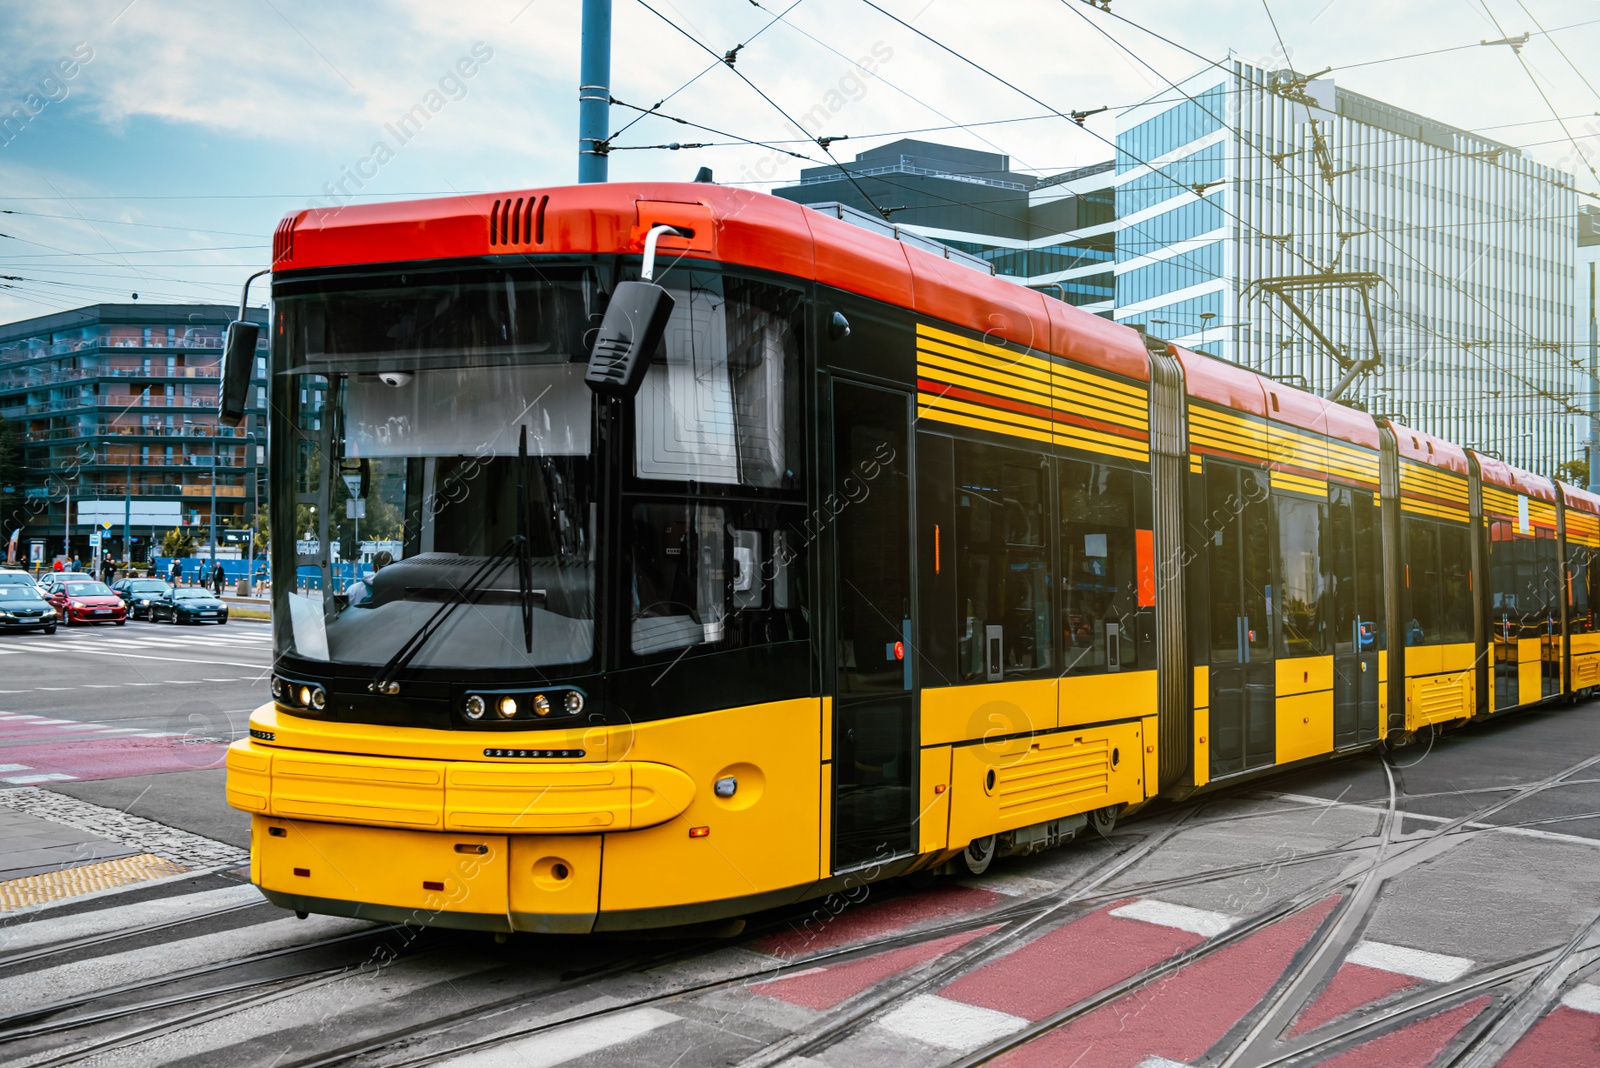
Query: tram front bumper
[{"x": 547, "y": 884}]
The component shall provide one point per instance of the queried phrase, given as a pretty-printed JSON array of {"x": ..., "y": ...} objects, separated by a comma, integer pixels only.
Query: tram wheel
[
  {"x": 978, "y": 855},
  {"x": 1103, "y": 820}
]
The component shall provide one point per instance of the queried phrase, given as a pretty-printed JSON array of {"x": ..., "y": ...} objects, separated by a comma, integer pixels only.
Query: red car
[{"x": 86, "y": 601}]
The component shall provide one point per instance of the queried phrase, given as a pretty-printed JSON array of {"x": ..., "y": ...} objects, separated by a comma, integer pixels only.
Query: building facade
[
  {"x": 1054, "y": 233},
  {"x": 117, "y": 409},
  {"x": 1444, "y": 256}
]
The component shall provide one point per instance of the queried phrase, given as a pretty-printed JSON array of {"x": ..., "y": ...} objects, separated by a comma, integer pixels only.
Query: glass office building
[
  {"x": 1465, "y": 247},
  {"x": 117, "y": 405},
  {"x": 1054, "y": 233}
]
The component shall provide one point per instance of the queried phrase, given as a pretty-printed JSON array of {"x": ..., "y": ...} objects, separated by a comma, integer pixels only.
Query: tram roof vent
[{"x": 857, "y": 217}]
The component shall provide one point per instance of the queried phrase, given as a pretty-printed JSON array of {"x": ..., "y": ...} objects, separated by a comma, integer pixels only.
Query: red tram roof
[
  {"x": 729, "y": 225},
  {"x": 1580, "y": 499},
  {"x": 1499, "y": 473},
  {"x": 1241, "y": 389},
  {"x": 1424, "y": 448}
]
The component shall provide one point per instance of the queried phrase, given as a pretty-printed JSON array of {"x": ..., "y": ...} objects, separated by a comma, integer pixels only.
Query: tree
[
  {"x": 1574, "y": 472},
  {"x": 177, "y": 542}
]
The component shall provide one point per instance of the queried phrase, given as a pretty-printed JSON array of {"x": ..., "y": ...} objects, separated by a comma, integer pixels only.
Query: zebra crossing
[{"x": 234, "y": 647}]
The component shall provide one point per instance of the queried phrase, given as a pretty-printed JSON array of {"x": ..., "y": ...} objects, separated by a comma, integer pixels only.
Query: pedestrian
[
  {"x": 77, "y": 564},
  {"x": 175, "y": 573},
  {"x": 218, "y": 577},
  {"x": 56, "y": 565}
]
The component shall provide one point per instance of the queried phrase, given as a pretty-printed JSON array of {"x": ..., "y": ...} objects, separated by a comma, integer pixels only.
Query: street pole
[
  {"x": 594, "y": 91},
  {"x": 66, "y": 543},
  {"x": 1594, "y": 391},
  {"x": 127, "y": 510},
  {"x": 214, "y": 431},
  {"x": 250, "y": 528}
]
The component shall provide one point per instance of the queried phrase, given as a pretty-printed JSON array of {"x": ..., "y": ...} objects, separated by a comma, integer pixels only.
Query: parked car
[
  {"x": 139, "y": 594},
  {"x": 86, "y": 601},
  {"x": 189, "y": 605},
  {"x": 12, "y": 576},
  {"x": 23, "y": 607}
]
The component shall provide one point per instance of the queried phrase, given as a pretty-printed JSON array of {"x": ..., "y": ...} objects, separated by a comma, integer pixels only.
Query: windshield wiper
[
  {"x": 384, "y": 681},
  {"x": 524, "y": 550}
]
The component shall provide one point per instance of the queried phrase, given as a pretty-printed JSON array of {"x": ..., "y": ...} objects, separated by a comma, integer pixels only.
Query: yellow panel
[
  {"x": 1438, "y": 699},
  {"x": 987, "y": 709},
  {"x": 933, "y": 804},
  {"x": 1530, "y": 673},
  {"x": 1110, "y": 695},
  {"x": 1202, "y": 687},
  {"x": 1200, "y": 774},
  {"x": 1585, "y": 643},
  {"x": 825, "y": 823},
  {"x": 1043, "y": 778},
  {"x": 827, "y": 728},
  {"x": 1152, "y": 758},
  {"x": 1585, "y": 671},
  {"x": 1304, "y": 674},
  {"x": 296, "y": 732},
  {"x": 1437, "y": 659},
  {"x": 382, "y": 866},
  {"x": 764, "y": 837},
  {"x": 552, "y": 799},
  {"x": 1305, "y": 726},
  {"x": 554, "y": 875},
  {"x": 358, "y": 789},
  {"x": 249, "y": 776}
]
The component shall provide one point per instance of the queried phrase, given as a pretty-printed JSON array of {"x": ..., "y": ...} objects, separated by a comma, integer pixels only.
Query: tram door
[
  {"x": 1244, "y": 730},
  {"x": 1358, "y": 631},
  {"x": 874, "y": 718}
]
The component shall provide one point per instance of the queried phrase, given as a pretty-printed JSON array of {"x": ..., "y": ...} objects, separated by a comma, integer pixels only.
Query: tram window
[
  {"x": 1002, "y": 576},
  {"x": 1102, "y": 510},
  {"x": 723, "y": 403},
  {"x": 1302, "y": 538},
  {"x": 1546, "y": 578},
  {"x": 701, "y": 577},
  {"x": 1455, "y": 592},
  {"x": 1420, "y": 605},
  {"x": 1581, "y": 604}
]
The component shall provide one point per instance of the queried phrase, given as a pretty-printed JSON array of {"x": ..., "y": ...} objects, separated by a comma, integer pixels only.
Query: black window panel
[
  {"x": 1455, "y": 587},
  {"x": 1258, "y": 564},
  {"x": 1369, "y": 581},
  {"x": 1221, "y": 530},
  {"x": 1420, "y": 595},
  {"x": 870, "y": 495},
  {"x": 715, "y": 575},
  {"x": 874, "y": 783},
  {"x": 936, "y": 560},
  {"x": 1103, "y": 509},
  {"x": 1581, "y": 589},
  {"x": 1343, "y": 574},
  {"x": 1002, "y": 568},
  {"x": 1302, "y": 532}
]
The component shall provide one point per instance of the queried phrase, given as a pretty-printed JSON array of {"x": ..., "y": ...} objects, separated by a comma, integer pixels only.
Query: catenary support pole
[
  {"x": 1594, "y": 392},
  {"x": 594, "y": 91}
]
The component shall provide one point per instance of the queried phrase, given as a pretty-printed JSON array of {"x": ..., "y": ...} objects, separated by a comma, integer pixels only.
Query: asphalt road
[{"x": 134, "y": 717}]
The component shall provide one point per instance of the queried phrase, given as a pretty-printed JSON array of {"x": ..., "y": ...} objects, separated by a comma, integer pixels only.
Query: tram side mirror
[
  {"x": 238, "y": 357},
  {"x": 632, "y": 328}
]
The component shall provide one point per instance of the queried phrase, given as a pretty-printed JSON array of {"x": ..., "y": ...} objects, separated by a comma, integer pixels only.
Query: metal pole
[
  {"x": 67, "y": 541},
  {"x": 1594, "y": 391},
  {"x": 127, "y": 509},
  {"x": 250, "y": 528},
  {"x": 214, "y": 496},
  {"x": 594, "y": 91}
]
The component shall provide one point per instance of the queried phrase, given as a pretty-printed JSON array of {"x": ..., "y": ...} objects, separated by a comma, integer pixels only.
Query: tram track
[
  {"x": 1014, "y": 921},
  {"x": 90, "y": 941}
]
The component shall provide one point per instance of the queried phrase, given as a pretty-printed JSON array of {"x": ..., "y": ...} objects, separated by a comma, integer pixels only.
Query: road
[
  {"x": 133, "y": 717},
  {"x": 1440, "y": 906}
]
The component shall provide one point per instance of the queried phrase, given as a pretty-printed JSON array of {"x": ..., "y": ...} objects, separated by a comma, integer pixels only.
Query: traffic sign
[
  {"x": 94, "y": 538},
  {"x": 352, "y": 482},
  {"x": 105, "y": 524}
]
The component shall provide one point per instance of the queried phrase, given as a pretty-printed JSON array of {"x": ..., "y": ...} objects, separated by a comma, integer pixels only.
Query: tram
[{"x": 743, "y": 555}]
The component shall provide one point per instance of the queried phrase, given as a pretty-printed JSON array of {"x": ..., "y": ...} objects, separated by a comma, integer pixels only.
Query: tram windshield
[{"x": 438, "y": 437}]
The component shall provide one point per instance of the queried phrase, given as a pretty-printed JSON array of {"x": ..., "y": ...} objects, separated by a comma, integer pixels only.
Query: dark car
[
  {"x": 139, "y": 594},
  {"x": 23, "y": 607},
  {"x": 85, "y": 601},
  {"x": 188, "y": 606}
]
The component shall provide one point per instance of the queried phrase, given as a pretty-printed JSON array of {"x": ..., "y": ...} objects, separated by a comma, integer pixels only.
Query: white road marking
[
  {"x": 1520, "y": 832},
  {"x": 1402, "y": 960},
  {"x": 951, "y": 1024},
  {"x": 15, "y": 937},
  {"x": 1184, "y": 918},
  {"x": 566, "y": 1043},
  {"x": 15, "y": 767},
  {"x": 24, "y": 780},
  {"x": 1585, "y": 997}
]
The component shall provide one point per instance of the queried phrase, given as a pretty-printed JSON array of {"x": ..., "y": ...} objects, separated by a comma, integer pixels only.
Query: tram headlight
[
  {"x": 319, "y": 698},
  {"x": 304, "y": 695},
  {"x": 277, "y": 687},
  {"x": 476, "y": 707},
  {"x": 541, "y": 704},
  {"x": 574, "y": 702},
  {"x": 507, "y": 707}
]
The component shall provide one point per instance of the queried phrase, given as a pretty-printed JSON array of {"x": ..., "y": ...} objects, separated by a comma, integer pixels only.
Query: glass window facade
[
  {"x": 1173, "y": 128},
  {"x": 1191, "y": 268}
]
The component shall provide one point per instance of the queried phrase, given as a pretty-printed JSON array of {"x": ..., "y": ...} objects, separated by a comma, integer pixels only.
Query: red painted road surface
[
  {"x": 1353, "y": 986},
  {"x": 1565, "y": 1037},
  {"x": 1415, "y": 1046},
  {"x": 869, "y": 919},
  {"x": 1185, "y": 1014},
  {"x": 43, "y": 751},
  {"x": 823, "y": 988}
]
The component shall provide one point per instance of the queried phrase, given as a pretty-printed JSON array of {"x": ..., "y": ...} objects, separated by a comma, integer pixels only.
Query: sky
[{"x": 160, "y": 141}]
